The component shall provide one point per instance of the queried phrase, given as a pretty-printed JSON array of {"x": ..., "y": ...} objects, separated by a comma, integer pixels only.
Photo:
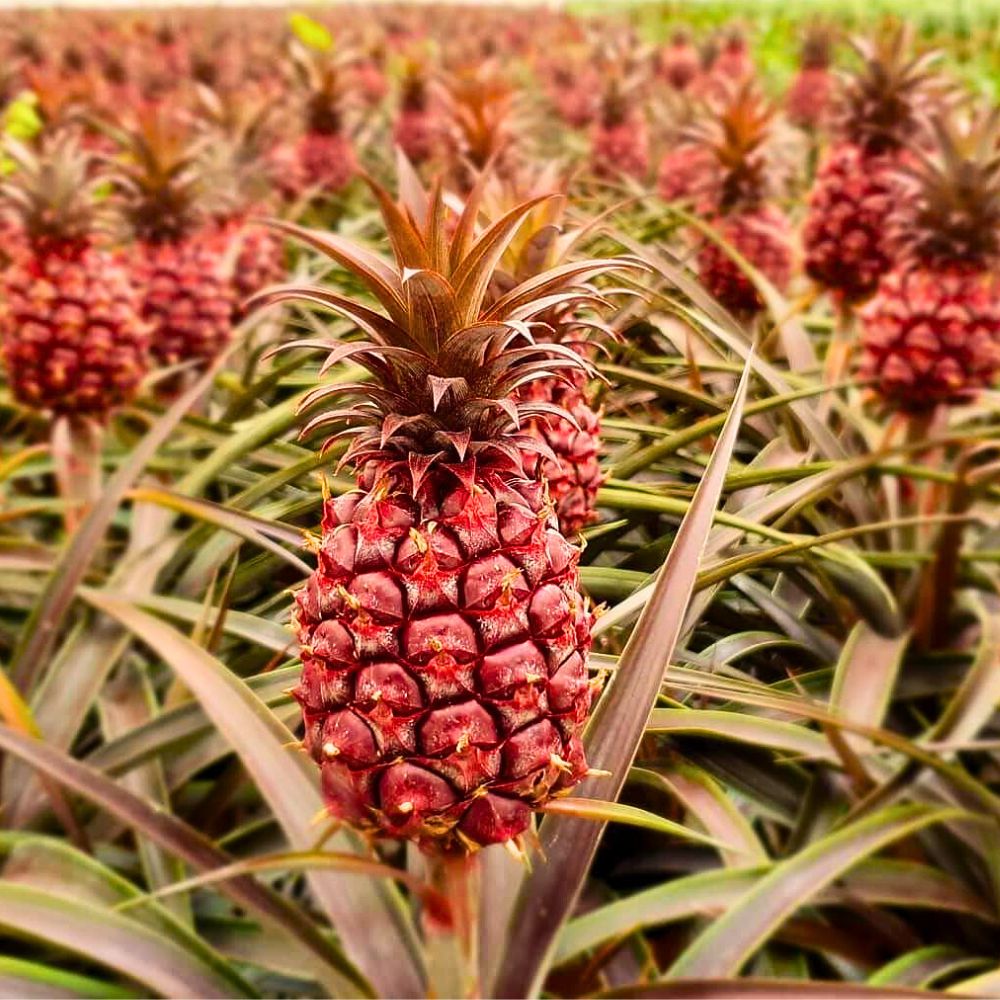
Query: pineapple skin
[
  {"x": 931, "y": 335},
  {"x": 574, "y": 474},
  {"x": 187, "y": 299},
  {"x": 73, "y": 339},
  {"x": 763, "y": 237},
  {"x": 845, "y": 236},
  {"x": 444, "y": 641}
]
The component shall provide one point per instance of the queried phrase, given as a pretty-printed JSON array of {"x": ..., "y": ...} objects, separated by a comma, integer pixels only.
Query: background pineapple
[{"x": 74, "y": 342}]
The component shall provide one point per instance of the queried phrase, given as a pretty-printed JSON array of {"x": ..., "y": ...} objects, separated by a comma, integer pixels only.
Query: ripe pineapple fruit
[
  {"x": 444, "y": 635},
  {"x": 73, "y": 339},
  {"x": 417, "y": 130},
  {"x": 679, "y": 62},
  {"x": 931, "y": 334},
  {"x": 807, "y": 103},
  {"x": 181, "y": 260},
  {"x": 321, "y": 160},
  {"x": 239, "y": 132},
  {"x": 733, "y": 198},
  {"x": 572, "y": 467},
  {"x": 620, "y": 138},
  {"x": 855, "y": 189}
]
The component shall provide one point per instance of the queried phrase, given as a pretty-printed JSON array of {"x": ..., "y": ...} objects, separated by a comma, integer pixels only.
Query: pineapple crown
[
  {"x": 445, "y": 362},
  {"x": 817, "y": 46},
  {"x": 881, "y": 102},
  {"x": 480, "y": 102},
  {"x": 160, "y": 181},
  {"x": 413, "y": 89},
  {"x": 239, "y": 131},
  {"x": 737, "y": 134},
  {"x": 52, "y": 193},
  {"x": 952, "y": 214},
  {"x": 324, "y": 80}
]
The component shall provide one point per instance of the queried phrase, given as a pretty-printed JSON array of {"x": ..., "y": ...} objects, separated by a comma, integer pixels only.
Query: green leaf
[
  {"x": 733, "y": 938},
  {"x": 31, "y": 980},
  {"x": 102, "y": 936}
]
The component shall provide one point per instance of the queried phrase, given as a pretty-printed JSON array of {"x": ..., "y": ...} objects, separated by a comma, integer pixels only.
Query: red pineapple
[
  {"x": 571, "y": 467},
  {"x": 733, "y": 62},
  {"x": 417, "y": 130},
  {"x": 931, "y": 333},
  {"x": 239, "y": 134},
  {"x": 845, "y": 233},
  {"x": 444, "y": 635},
  {"x": 807, "y": 103},
  {"x": 322, "y": 160},
  {"x": 73, "y": 341},
  {"x": 573, "y": 90},
  {"x": 620, "y": 138},
  {"x": 734, "y": 199},
  {"x": 680, "y": 63},
  {"x": 182, "y": 261}
]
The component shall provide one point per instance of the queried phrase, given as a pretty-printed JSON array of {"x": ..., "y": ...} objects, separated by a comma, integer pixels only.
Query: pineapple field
[{"x": 500, "y": 502}]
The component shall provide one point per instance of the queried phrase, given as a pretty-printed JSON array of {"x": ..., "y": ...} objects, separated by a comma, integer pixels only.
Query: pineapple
[
  {"x": 620, "y": 138},
  {"x": 844, "y": 236},
  {"x": 931, "y": 333},
  {"x": 572, "y": 467},
  {"x": 807, "y": 103},
  {"x": 239, "y": 133},
  {"x": 733, "y": 197},
  {"x": 573, "y": 91},
  {"x": 733, "y": 61},
  {"x": 444, "y": 636},
  {"x": 417, "y": 129},
  {"x": 73, "y": 339},
  {"x": 322, "y": 159},
  {"x": 181, "y": 260},
  {"x": 680, "y": 63}
]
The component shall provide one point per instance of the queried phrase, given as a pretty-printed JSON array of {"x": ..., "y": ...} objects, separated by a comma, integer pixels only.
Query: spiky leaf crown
[
  {"x": 881, "y": 103},
  {"x": 162, "y": 189},
  {"x": 737, "y": 135},
  {"x": 817, "y": 46},
  {"x": 480, "y": 104},
  {"x": 444, "y": 360},
  {"x": 52, "y": 192},
  {"x": 952, "y": 214}
]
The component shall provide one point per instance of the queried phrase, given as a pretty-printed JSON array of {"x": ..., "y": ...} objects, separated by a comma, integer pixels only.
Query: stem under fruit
[
  {"x": 453, "y": 936},
  {"x": 76, "y": 452}
]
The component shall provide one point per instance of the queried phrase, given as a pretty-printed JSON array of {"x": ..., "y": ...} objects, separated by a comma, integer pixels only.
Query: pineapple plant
[
  {"x": 931, "y": 333},
  {"x": 620, "y": 137},
  {"x": 74, "y": 341},
  {"x": 321, "y": 160},
  {"x": 808, "y": 100},
  {"x": 417, "y": 130},
  {"x": 573, "y": 90},
  {"x": 239, "y": 133},
  {"x": 845, "y": 232},
  {"x": 571, "y": 465},
  {"x": 734, "y": 197},
  {"x": 679, "y": 62},
  {"x": 181, "y": 260},
  {"x": 443, "y": 634}
]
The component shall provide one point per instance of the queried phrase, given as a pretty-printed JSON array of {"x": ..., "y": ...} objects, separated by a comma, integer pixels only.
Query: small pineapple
[
  {"x": 844, "y": 236},
  {"x": 181, "y": 260},
  {"x": 734, "y": 198},
  {"x": 679, "y": 62},
  {"x": 807, "y": 103},
  {"x": 417, "y": 130},
  {"x": 572, "y": 467},
  {"x": 620, "y": 138},
  {"x": 931, "y": 333},
  {"x": 73, "y": 339},
  {"x": 444, "y": 636}
]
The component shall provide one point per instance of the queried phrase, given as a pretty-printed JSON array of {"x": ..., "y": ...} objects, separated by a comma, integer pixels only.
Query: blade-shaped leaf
[{"x": 733, "y": 938}]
